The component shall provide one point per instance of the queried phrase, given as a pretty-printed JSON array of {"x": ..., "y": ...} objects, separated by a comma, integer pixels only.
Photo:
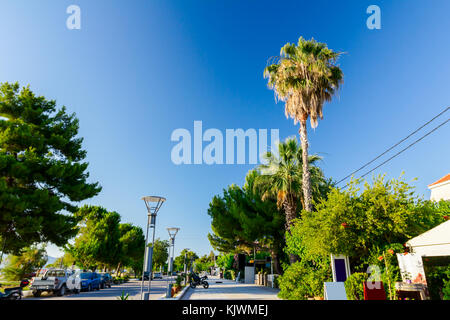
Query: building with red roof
[{"x": 440, "y": 189}]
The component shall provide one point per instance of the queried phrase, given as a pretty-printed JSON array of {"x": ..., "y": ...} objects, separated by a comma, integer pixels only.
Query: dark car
[
  {"x": 90, "y": 281},
  {"x": 105, "y": 280},
  {"x": 146, "y": 274}
]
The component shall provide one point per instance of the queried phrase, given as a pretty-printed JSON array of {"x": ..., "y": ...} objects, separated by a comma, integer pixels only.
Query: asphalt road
[{"x": 133, "y": 288}]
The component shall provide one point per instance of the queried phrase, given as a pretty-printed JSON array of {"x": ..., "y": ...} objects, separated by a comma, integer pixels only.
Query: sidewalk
[{"x": 231, "y": 290}]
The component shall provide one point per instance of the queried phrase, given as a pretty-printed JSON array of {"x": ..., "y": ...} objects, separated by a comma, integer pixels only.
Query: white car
[{"x": 74, "y": 282}]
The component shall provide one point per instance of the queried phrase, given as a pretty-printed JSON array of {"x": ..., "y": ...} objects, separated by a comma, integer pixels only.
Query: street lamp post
[
  {"x": 153, "y": 204},
  {"x": 172, "y": 233},
  {"x": 185, "y": 265}
]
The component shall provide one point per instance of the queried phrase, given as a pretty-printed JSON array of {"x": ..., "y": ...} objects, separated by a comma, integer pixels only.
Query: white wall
[{"x": 440, "y": 191}]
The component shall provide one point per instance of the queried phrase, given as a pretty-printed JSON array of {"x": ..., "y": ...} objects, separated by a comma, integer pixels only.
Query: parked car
[
  {"x": 105, "y": 280},
  {"x": 74, "y": 282},
  {"x": 157, "y": 275},
  {"x": 52, "y": 280},
  {"x": 145, "y": 276},
  {"x": 89, "y": 281}
]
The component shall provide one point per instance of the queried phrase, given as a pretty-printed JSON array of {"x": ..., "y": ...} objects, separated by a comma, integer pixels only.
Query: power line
[
  {"x": 401, "y": 151},
  {"x": 382, "y": 154}
]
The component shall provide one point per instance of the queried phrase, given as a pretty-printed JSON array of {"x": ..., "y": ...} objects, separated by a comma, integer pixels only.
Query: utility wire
[
  {"x": 415, "y": 131},
  {"x": 401, "y": 151}
]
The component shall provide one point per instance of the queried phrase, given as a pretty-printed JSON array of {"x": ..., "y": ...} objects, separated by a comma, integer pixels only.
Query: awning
[{"x": 434, "y": 242}]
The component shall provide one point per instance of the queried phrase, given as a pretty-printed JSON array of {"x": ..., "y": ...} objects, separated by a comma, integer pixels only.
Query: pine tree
[{"x": 42, "y": 173}]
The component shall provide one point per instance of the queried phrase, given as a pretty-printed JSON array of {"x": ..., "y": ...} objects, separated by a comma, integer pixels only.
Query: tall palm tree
[
  {"x": 304, "y": 76},
  {"x": 281, "y": 178}
]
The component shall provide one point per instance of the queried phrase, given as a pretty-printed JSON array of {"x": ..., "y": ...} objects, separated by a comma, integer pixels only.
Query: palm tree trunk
[
  {"x": 306, "y": 175},
  {"x": 290, "y": 210}
]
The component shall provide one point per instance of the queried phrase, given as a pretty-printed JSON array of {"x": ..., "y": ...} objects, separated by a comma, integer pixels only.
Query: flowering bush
[
  {"x": 302, "y": 280},
  {"x": 354, "y": 286}
]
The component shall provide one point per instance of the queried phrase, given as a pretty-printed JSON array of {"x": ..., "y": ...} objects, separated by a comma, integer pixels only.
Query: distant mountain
[{"x": 50, "y": 260}]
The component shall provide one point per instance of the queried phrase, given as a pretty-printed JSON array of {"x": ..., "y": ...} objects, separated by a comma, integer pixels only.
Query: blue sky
[{"x": 138, "y": 70}]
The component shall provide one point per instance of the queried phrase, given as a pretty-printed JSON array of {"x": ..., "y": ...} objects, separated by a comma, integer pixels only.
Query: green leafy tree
[
  {"x": 98, "y": 242},
  {"x": 42, "y": 173},
  {"x": 29, "y": 260},
  {"x": 132, "y": 243},
  {"x": 185, "y": 256},
  {"x": 305, "y": 76},
  {"x": 225, "y": 261},
  {"x": 243, "y": 221},
  {"x": 160, "y": 253},
  {"x": 203, "y": 264},
  {"x": 304, "y": 279},
  {"x": 357, "y": 222},
  {"x": 281, "y": 178}
]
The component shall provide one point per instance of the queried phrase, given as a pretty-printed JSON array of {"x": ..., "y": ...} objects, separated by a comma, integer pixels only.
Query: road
[
  {"x": 133, "y": 288},
  {"x": 222, "y": 289}
]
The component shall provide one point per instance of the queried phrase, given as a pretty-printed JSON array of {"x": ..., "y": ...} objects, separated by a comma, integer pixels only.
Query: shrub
[
  {"x": 276, "y": 281},
  {"x": 230, "y": 275},
  {"x": 302, "y": 280},
  {"x": 178, "y": 281},
  {"x": 354, "y": 286},
  {"x": 446, "y": 290},
  {"x": 438, "y": 279}
]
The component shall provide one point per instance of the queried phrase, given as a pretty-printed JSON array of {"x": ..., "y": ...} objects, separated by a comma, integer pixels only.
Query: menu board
[{"x": 411, "y": 268}]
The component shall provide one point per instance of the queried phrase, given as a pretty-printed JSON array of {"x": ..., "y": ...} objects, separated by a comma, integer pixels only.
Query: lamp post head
[
  {"x": 153, "y": 204},
  {"x": 172, "y": 232}
]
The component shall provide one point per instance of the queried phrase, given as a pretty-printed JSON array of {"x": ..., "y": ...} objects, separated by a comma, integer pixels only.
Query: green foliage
[
  {"x": 304, "y": 279},
  {"x": 132, "y": 243},
  {"x": 368, "y": 225},
  {"x": 438, "y": 280},
  {"x": 281, "y": 178},
  {"x": 179, "y": 261},
  {"x": 385, "y": 260},
  {"x": 31, "y": 259},
  {"x": 42, "y": 173},
  {"x": 160, "y": 252},
  {"x": 230, "y": 274},
  {"x": 203, "y": 264},
  {"x": 446, "y": 289},
  {"x": 305, "y": 76},
  {"x": 225, "y": 261},
  {"x": 123, "y": 296},
  {"x": 241, "y": 218},
  {"x": 103, "y": 240},
  {"x": 179, "y": 280},
  {"x": 98, "y": 239},
  {"x": 354, "y": 223},
  {"x": 354, "y": 286}
]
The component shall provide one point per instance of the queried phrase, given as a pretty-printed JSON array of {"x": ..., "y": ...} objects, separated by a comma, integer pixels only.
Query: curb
[{"x": 179, "y": 296}]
